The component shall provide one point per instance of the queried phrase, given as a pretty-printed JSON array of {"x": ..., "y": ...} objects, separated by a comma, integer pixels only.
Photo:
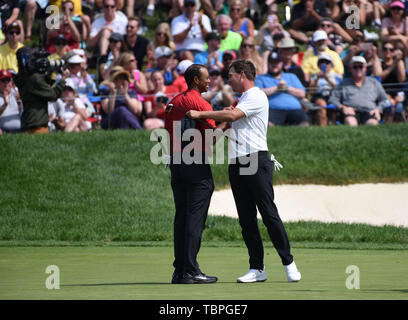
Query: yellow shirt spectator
[
  {"x": 8, "y": 59},
  {"x": 309, "y": 63},
  {"x": 77, "y": 6}
]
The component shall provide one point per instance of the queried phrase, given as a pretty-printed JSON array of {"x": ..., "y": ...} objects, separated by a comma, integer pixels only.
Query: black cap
[
  {"x": 274, "y": 56},
  {"x": 14, "y": 25},
  {"x": 213, "y": 36},
  {"x": 60, "y": 39},
  {"x": 189, "y": 1},
  {"x": 213, "y": 70}
]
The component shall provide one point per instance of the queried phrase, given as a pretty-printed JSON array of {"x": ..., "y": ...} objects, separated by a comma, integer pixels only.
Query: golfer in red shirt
[{"x": 191, "y": 179}]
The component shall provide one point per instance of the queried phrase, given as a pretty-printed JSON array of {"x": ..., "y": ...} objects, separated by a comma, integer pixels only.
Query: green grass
[
  {"x": 144, "y": 273},
  {"x": 102, "y": 187}
]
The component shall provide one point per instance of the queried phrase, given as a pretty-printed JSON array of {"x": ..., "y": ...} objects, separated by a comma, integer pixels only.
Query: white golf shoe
[
  {"x": 292, "y": 272},
  {"x": 253, "y": 275}
]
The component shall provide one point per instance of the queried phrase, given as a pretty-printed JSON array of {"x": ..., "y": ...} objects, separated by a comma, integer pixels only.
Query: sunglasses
[
  {"x": 388, "y": 49},
  {"x": 6, "y": 80},
  {"x": 357, "y": 67},
  {"x": 189, "y": 5},
  {"x": 59, "y": 43},
  {"x": 248, "y": 46},
  {"x": 235, "y": 9},
  {"x": 14, "y": 32},
  {"x": 215, "y": 74},
  {"x": 108, "y": 6}
]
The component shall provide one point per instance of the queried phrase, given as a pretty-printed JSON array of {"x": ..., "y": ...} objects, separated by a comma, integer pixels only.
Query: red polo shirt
[{"x": 188, "y": 100}]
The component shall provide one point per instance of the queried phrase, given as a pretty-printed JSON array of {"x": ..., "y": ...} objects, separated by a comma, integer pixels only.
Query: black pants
[
  {"x": 250, "y": 192},
  {"x": 192, "y": 190}
]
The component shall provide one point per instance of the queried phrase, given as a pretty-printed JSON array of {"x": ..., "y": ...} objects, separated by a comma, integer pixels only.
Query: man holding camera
[{"x": 35, "y": 91}]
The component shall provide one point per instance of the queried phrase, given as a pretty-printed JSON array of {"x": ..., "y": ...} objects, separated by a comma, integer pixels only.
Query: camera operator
[{"x": 35, "y": 89}]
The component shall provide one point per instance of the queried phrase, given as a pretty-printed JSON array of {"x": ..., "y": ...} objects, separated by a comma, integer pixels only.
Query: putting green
[{"x": 145, "y": 272}]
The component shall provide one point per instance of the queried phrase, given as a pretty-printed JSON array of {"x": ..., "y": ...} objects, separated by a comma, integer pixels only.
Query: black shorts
[
  {"x": 287, "y": 117},
  {"x": 361, "y": 116}
]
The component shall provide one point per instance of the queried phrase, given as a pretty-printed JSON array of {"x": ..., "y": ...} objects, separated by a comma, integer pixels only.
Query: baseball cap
[
  {"x": 358, "y": 59},
  {"x": 319, "y": 35},
  {"x": 189, "y": 1},
  {"x": 274, "y": 56},
  {"x": 14, "y": 25},
  {"x": 325, "y": 56},
  {"x": 213, "y": 36},
  {"x": 60, "y": 39},
  {"x": 231, "y": 53},
  {"x": 214, "y": 70},
  {"x": 397, "y": 4},
  {"x": 162, "y": 51},
  {"x": 69, "y": 83},
  {"x": 76, "y": 59},
  {"x": 5, "y": 74},
  {"x": 183, "y": 66}
]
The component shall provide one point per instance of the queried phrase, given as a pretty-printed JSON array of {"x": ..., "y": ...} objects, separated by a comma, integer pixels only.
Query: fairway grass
[{"x": 144, "y": 273}]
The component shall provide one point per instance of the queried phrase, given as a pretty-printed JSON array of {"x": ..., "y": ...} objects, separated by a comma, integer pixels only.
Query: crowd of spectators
[{"x": 319, "y": 62}]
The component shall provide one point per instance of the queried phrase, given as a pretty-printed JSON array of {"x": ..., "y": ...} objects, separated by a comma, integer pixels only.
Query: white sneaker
[
  {"x": 292, "y": 272},
  {"x": 253, "y": 275}
]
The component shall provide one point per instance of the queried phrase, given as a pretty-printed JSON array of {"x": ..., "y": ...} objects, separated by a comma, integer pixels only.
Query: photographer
[{"x": 35, "y": 91}]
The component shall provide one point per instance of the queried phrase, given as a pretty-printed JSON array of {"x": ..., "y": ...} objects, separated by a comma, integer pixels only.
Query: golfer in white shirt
[{"x": 249, "y": 123}]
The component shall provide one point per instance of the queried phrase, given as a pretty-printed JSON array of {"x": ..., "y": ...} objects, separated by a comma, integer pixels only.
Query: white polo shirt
[
  {"x": 118, "y": 24},
  {"x": 250, "y": 130},
  {"x": 194, "y": 39}
]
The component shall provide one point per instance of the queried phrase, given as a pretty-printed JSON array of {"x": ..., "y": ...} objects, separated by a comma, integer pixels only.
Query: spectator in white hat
[
  {"x": 360, "y": 99},
  {"x": 165, "y": 63},
  {"x": 310, "y": 59},
  {"x": 288, "y": 51},
  {"x": 83, "y": 83},
  {"x": 70, "y": 112},
  {"x": 180, "y": 83},
  {"x": 321, "y": 86}
]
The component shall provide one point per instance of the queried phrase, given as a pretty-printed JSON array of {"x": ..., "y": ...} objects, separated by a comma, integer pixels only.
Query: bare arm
[{"x": 220, "y": 116}]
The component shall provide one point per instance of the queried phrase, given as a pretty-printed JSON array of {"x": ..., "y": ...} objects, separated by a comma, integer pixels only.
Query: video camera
[{"x": 36, "y": 60}]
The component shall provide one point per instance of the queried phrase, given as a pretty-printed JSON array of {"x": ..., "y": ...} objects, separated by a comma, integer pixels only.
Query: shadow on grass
[{"x": 159, "y": 283}]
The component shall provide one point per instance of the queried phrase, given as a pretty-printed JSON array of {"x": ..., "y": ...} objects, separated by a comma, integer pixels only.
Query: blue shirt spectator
[{"x": 281, "y": 100}]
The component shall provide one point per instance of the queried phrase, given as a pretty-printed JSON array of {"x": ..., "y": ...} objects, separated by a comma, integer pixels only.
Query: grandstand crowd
[{"x": 319, "y": 62}]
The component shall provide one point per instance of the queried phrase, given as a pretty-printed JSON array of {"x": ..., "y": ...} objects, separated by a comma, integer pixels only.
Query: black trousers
[
  {"x": 250, "y": 192},
  {"x": 192, "y": 190}
]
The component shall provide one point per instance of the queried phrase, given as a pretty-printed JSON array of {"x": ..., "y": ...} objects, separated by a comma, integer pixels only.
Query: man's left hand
[{"x": 193, "y": 114}]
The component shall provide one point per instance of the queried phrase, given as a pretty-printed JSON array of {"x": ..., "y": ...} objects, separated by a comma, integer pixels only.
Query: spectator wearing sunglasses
[
  {"x": 106, "y": 62},
  {"x": 359, "y": 98},
  {"x": 135, "y": 42},
  {"x": 111, "y": 21},
  {"x": 10, "y": 104},
  {"x": 68, "y": 27},
  {"x": 190, "y": 28},
  {"x": 8, "y": 59},
  {"x": 240, "y": 24},
  {"x": 9, "y": 13},
  {"x": 394, "y": 26},
  {"x": 392, "y": 77}
]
